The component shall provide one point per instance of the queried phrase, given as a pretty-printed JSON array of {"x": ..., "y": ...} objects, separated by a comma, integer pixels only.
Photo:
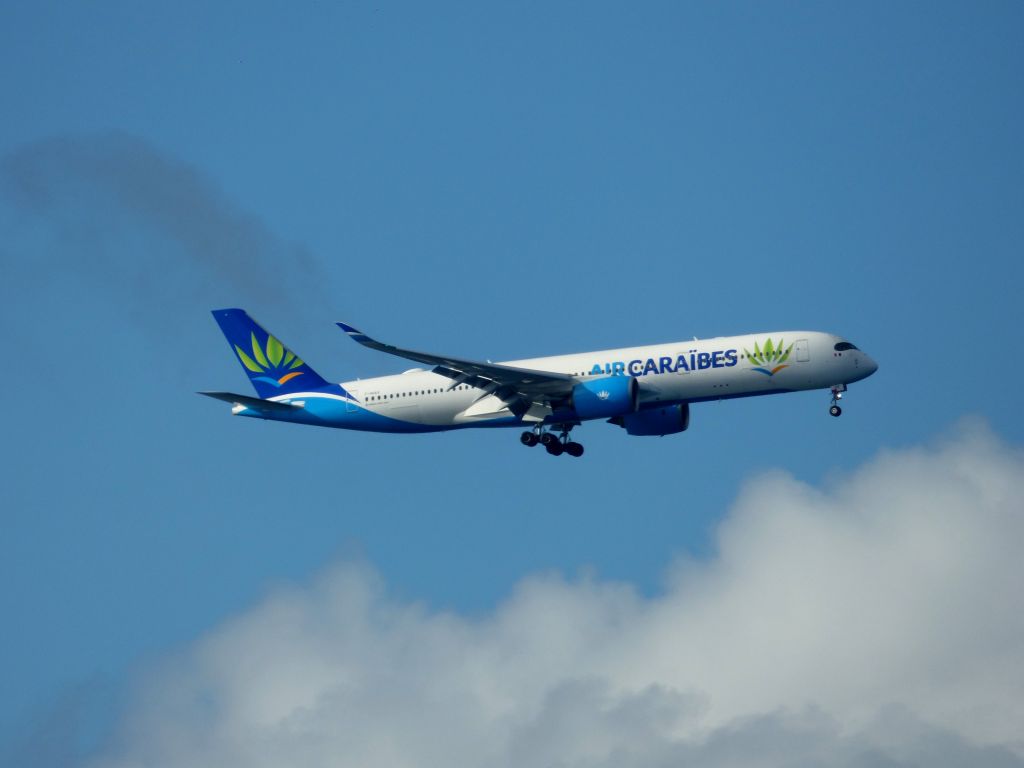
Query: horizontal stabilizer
[{"x": 253, "y": 403}]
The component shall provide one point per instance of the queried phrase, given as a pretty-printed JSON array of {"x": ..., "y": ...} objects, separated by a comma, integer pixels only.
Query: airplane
[{"x": 645, "y": 390}]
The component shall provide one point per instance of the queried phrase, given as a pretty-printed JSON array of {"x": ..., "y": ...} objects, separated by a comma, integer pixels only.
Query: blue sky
[{"x": 492, "y": 181}]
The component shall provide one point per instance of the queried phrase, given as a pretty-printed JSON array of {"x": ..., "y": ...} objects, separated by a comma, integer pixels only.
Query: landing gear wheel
[
  {"x": 555, "y": 442},
  {"x": 574, "y": 449},
  {"x": 529, "y": 439},
  {"x": 837, "y": 395}
]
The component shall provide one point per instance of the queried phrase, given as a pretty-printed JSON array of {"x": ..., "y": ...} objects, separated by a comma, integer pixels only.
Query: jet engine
[
  {"x": 602, "y": 398},
  {"x": 667, "y": 420}
]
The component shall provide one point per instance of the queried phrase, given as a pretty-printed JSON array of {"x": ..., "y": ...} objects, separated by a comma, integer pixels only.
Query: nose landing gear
[
  {"x": 555, "y": 444},
  {"x": 837, "y": 395}
]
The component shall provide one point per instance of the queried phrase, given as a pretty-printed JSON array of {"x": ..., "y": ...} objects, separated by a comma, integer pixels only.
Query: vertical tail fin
[{"x": 272, "y": 368}]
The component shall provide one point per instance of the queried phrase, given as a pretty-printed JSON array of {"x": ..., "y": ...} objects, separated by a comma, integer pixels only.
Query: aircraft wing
[{"x": 505, "y": 381}]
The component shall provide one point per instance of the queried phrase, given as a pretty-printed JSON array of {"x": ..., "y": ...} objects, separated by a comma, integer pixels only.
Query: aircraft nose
[{"x": 871, "y": 364}]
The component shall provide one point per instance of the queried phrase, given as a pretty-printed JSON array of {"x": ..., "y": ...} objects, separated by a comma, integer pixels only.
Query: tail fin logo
[
  {"x": 771, "y": 359},
  {"x": 275, "y": 363}
]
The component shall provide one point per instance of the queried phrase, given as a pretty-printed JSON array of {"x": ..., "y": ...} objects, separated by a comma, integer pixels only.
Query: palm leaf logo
[
  {"x": 771, "y": 359},
  {"x": 275, "y": 363}
]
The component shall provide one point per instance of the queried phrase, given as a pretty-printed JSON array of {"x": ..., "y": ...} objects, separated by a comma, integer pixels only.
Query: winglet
[{"x": 354, "y": 333}]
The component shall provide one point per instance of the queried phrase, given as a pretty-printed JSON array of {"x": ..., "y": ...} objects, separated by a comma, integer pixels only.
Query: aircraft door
[
  {"x": 350, "y": 406},
  {"x": 802, "y": 351}
]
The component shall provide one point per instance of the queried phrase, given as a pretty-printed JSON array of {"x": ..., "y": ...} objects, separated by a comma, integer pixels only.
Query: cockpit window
[{"x": 842, "y": 346}]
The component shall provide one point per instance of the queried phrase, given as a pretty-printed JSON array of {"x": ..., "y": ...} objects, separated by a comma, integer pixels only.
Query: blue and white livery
[{"x": 644, "y": 390}]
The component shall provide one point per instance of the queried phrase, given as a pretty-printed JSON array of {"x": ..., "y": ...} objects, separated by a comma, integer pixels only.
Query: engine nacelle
[
  {"x": 603, "y": 398},
  {"x": 667, "y": 420}
]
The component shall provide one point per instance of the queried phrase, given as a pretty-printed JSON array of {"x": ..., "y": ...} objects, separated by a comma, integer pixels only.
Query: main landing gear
[
  {"x": 554, "y": 444},
  {"x": 837, "y": 395}
]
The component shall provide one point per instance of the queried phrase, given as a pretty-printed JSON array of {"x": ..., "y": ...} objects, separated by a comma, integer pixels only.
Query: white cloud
[{"x": 876, "y": 621}]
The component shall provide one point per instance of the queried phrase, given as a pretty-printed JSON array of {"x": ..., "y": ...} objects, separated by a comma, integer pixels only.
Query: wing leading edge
[{"x": 506, "y": 382}]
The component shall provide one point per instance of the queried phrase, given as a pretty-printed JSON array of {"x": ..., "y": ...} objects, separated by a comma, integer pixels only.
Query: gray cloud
[
  {"x": 140, "y": 227},
  {"x": 875, "y": 621}
]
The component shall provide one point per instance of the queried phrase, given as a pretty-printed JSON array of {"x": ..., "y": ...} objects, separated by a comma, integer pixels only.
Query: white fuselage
[{"x": 674, "y": 372}]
